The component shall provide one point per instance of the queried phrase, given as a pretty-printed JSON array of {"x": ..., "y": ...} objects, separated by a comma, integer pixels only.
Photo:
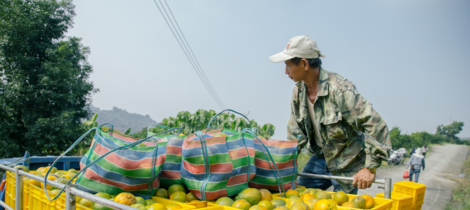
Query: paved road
[{"x": 443, "y": 160}]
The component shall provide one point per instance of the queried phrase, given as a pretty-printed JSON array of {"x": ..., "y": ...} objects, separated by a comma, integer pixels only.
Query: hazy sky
[{"x": 410, "y": 59}]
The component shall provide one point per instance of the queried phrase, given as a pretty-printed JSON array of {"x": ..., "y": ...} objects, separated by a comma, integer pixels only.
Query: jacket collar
[
  {"x": 303, "y": 98},
  {"x": 322, "y": 84}
]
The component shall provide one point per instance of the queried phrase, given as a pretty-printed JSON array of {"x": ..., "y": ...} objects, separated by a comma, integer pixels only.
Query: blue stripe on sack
[
  {"x": 269, "y": 172},
  {"x": 237, "y": 144},
  {"x": 277, "y": 150},
  {"x": 243, "y": 170},
  {"x": 171, "y": 166},
  {"x": 131, "y": 154},
  {"x": 200, "y": 177},
  {"x": 212, "y": 150},
  {"x": 119, "y": 177}
]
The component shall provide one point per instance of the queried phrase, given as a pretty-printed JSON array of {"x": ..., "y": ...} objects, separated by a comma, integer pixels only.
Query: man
[{"x": 345, "y": 135}]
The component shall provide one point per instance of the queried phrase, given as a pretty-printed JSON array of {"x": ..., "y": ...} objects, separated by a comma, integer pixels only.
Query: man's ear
[{"x": 305, "y": 64}]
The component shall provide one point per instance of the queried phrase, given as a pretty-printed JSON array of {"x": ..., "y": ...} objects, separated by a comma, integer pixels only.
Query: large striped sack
[
  {"x": 133, "y": 169},
  {"x": 276, "y": 164},
  {"x": 217, "y": 163},
  {"x": 171, "y": 169}
]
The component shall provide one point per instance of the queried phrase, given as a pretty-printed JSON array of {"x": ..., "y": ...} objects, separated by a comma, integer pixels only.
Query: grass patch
[{"x": 461, "y": 195}]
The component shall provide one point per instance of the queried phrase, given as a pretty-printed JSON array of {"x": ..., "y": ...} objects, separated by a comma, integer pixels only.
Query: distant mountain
[{"x": 122, "y": 120}]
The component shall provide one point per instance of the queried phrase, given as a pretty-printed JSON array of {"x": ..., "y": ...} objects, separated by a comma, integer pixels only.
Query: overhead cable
[{"x": 176, "y": 31}]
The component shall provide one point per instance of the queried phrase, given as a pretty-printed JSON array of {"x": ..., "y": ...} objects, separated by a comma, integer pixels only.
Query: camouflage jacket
[{"x": 352, "y": 133}]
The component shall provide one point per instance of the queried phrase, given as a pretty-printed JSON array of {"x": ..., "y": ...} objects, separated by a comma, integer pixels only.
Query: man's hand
[{"x": 363, "y": 179}]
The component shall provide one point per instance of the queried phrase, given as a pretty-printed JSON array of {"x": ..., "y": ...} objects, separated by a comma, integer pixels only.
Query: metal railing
[
  {"x": 70, "y": 192},
  {"x": 387, "y": 182}
]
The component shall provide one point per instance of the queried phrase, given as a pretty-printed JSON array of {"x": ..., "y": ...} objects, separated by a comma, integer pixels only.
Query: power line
[{"x": 189, "y": 53}]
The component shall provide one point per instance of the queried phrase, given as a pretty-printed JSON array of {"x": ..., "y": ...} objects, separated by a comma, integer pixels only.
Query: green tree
[
  {"x": 450, "y": 131},
  {"x": 43, "y": 78},
  {"x": 191, "y": 123}
]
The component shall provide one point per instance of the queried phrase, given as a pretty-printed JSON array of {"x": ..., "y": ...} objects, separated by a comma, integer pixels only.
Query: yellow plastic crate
[
  {"x": 400, "y": 201},
  {"x": 417, "y": 207},
  {"x": 167, "y": 202},
  {"x": 10, "y": 191},
  {"x": 416, "y": 190},
  {"x": 381, "y": 203}
]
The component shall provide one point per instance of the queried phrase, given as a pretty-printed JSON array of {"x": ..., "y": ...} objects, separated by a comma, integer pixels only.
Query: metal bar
[
  {"x": 18, "y": 189},
  {"x": 5, "y": 205},
  {"x": 7, "y": 168},
  {"x": 388, "y": 188},
  {"x": 378, "y": 181},
  {"x": 100, "y": 200},
  {"x": 70, "y": 200}
]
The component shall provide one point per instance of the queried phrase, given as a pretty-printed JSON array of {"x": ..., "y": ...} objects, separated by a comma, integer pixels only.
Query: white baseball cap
[{"x": 298, "y": 46}]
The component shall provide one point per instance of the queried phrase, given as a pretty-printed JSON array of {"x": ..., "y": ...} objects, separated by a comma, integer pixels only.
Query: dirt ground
[{"x": 443, "y": 161}]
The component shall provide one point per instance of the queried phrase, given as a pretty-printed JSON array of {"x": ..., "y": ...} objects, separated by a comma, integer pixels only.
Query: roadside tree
[{"x": 43, "y": 78}]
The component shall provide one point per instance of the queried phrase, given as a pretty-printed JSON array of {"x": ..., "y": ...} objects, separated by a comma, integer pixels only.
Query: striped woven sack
[
  {"x": 217, "y": 165},
  {"x": 117, "y": 163},
  {"x": 171, "y": 169},
  {"x": 276, "y": 164}
]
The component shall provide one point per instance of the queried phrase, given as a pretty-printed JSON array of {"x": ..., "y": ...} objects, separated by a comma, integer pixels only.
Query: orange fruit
[
  {"x": 324, "y": 204},
  {"x": 191, "y": 197},
  {"x": 140, "y": 200},
  {"x": 370, "y": 202},
  {"x": 322, "y": 195},
  {"x": 306, "y": 197},
  {"x": 281, "y": 208},
  {"x": 291, "y": 201},
  {"x": 162, "y": 193},
  {"x": 267, "y": 204},
  {"x": 137, "y": 206},
  {"x": 125, "y": 198},
  {"x": 292, "y": 192},
  {"x": 299, "y": 206},
  {"x": 276, "y": 202},
  {"x": 350, "y": 205},
  {"x": 49, "y": 178},
  {"x": 178, "y": 196},
  {"x": 340, "y": 197},
  {"x": 241, "y": 204},
  {"x": 176, "y": 187},
  {"x": 310, "y": 191},
  {"x": 266, "y": 195},
  {"x": 252, "y": 195},
  {"x": 311, "y": 203},
  {"x": 257, "y": 207},
  {"x": 224, "y": 201},
  {"x": 359, "y": 201}
]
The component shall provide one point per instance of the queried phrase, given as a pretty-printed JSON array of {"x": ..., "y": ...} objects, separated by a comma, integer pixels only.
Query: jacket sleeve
[
  {"x": 410, "y": 161},
  {"x": 293, "y": 130},
  {"x": 358, "y": 113}
]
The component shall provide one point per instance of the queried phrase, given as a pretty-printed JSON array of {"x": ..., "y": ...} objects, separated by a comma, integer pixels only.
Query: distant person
[
  {"x": 425, "y": 149},
  {"x": 412, "y": 151},
  {"x": 416, "y": 162},
  {"x": 332, "y": 120}
]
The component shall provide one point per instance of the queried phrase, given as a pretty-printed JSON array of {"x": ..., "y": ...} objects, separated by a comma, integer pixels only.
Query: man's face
[{"x": 295, "y": 72}]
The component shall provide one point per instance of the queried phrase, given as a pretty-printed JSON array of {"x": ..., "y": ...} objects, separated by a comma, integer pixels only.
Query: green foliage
[
  {"x": 444, "y": 134},
  {"x": 450, "y": 131},
  {"x": 197, "y": 121},
  {"x": 461, "y": 195},
  {"x": 43, "y": 78}
]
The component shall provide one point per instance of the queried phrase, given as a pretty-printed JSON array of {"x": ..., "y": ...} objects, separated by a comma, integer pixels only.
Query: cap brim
[{"x": 280, "y": 57}]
